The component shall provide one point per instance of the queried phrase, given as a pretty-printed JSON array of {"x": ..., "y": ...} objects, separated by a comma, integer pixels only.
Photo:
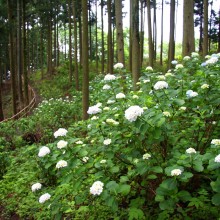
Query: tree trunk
[
  {"x": 49, "y": 44},
  {"x": 135, "y": 43},
  {"x": 155, "y": 30},
  {"x": 219, "y": 32},
  {"x": 119, "y": 30},
  {"x": 171, "y": 51},
  {"x": 11, "y": 56},
  {"x": 70, "y": 42},
  {"x": 85, "y": 61},
  {"x": 205, "y": 29},
  {"x": 96, "y": 37},
  {"x": 103, "y": 46},
  {"x": 130, "y": 38},
  {"x": 1, "y": 109},
  {"x": 161, "y": 42},
  {"x": 150, "y": 41},
  {"x": 110, "y": 47},
  {"x": 142, "y": 33},
  {"x": 188, "y": 28}
]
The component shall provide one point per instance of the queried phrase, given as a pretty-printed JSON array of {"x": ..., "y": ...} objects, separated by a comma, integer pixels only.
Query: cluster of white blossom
[
  {"x": 194, "y": 54},
  {"x": 186, "y": 58},
  {"x": 120, "y": 95},
  {"x": 179, "y": 66},
  {"x": 212, "y": 60},
  {"x": 36, "y": 187},
  {"x": 103, "y": 161},
  {"x": 182, "y": 108},
  {"x": 94, "y": 110},
  {"x": 111, "y": 121},
  {"x": 191, "y": 94},
  {"x": 61, "y": 164},
  {"x": 109, "y": 77},
  {"x": 176, "y": 172},
  {"x": 215, "y": 142},
  {"x": 174, "y": 62},
  {"x": 43, "y": 151},
  {"x": 96, "y": 188},
  {"x": 146, "y": 156},
  {"x": 149, "y": 68},
  {"x": 133, "y": 112},
  {"x": 205, "y": 86},
  {"x": 118, "y": 66},
  {"x": 190, "y": 150},
  {"x": 160, "y": 85},
  {"x": 167, "y": 114},
  {"x": 44, "y": 198},
  {"x": 61, "y": 144},
  {"x": 107, "y": 141},
  {"x": 217, "y": 159},
  {"x": 110, "y": 101},
  {"x": 85, "y": 159},
  {"x": 106, "y": 87},
  {"x": 79, "y": 142},
  {"x": 60, "y": 132}
]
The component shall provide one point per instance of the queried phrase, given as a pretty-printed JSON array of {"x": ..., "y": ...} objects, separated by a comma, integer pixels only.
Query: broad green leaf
[
  {"x": 135, "y": 213},
  {"x": 123, "y": 179},
  {"x": 168, "y": 204},
  {"x": 179, "y": 102},
  {"x": 124, "y": 189},
  {"x": 216, "y": 199},
  {"x": 114, "y": 169},
  {"x": 184, "y": 195},
  {"x": 156, "y": 169},
  {"x": 198, "y": 166}
]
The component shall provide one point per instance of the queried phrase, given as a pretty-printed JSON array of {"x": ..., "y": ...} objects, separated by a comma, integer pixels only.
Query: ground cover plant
[{"x": 153, "y": 153}]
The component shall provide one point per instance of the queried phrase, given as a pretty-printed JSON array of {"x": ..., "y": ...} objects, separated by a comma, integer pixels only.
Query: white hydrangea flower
[
  {"x": 212, "y": 60},
  {"x": 85, "y": 159},
  {"x": 149, "y": 68},
  {"x": 106, "y": 87},
  {"x": 161, "y": 85},
  {"x": 174, "y": 62},
  {"x": 43, "y": 151},
  {"x": 110, "y": 101},
  {"x": 179, "y": 66},
  {"x": 96, "y": 188},
  {"x": 106, "y": 108},
  {"x": 109, "y": 77},
  {"x": 94, "y": 117},
  {"x": 118, "y": 66},
  {"x": 146, "y": 156},
  {"x": 207, "y": 57},
  {"x": 217, "y": 159},
  {"x": 176, "y": 172},
  {"x": 190, "y": 150},
  {"x": 44, "y": 198},
  {"x": 135, "y": 97},
  {"x": 133, "y": 112},
  {"x": 79, "y": 142},
  {"x": 120, "y": 95},
  {"x": 94, "y": 110},
  {"x": 61, "y": 164},
  {"x": 182, "y": 108},
  {"x": 60, "y": 132},
  {"x": 191, "y": 94},
  {"x": 36, "y": 187},
  {"x": 205, "y": 86},
  {"x": 107, "y": 141},
  {"x": 167, "y": 114},
  {"x": 61, "y": 144},
  {"x": 146, "y": 81},
  {"x": 103, "y": 161},
  {"x": 215, "y": 142},
  {"x": 161, "y": 77},
  {"x": 194, "y": 54},
  {"x": 138, "y": 83},
  {"x": 186, "y": 58},
  {"x": 136, "y": 160},
  {"x": 112, "y": 121},
  {"x": 168, "y": 74}
]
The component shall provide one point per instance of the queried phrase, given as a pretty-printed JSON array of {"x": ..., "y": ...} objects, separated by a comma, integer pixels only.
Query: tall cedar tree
[{"x": 110, "y": 44}]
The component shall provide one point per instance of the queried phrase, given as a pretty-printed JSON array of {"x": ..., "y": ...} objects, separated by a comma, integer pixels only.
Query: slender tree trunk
[
  {"x": 110, "y": 47},
  {"x": 85, "y": 61},
  {"x": 150, "y": 41},
  {"x": 161, "y": 42},
  {"x": 11, "y": 56},
  {"x": 103, "y": 45},
  {"x": 130, "y": 38},
  {"x": 155, "y": 30},
  {"x": 70, "y": 42},
  {"x": 96, "y": 37},
  {"x": 201, "y": 30},
  {"x": 119, "y": 30},
  {"x": 205, "y": 30},
  {"x": 65, "y": 40},
  {"x": 219, "y": 32},
  {"x": 49, "y": 44},
  {"x": 76, "y": 72},
  {"x": 24, "y": 54},
  {"x": 135, "y": 43},
  {"x": 171, "y": 51},
  {"x": 1, "y": 108},
  {"x": 188, "y": 28},
  {"x": 142, "y": 34},
  {"x": 80, "y": 40}
]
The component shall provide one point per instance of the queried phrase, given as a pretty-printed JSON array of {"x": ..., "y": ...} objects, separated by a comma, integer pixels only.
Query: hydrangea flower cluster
[
  {"x": 61, "y": 164},
  {"x": 179, "y": 66},
  {"x": 103, "y": 161},
  {"x": 176, "y": 172},
  {"x": 205, "y": 86},
  {"x": 61, "y": 144},
  {"x": 217, "y": 159},
  {"x": 146, "y": 156},
  {"x": 133, "y": 112},
  {"x": 94, "y": 110},
  {"x": 44, "y": 198},
  {"x": 215, "y": 142},
  {"x": 161, "y": 85},
  {"x": 36, "y": 187},
  {"x": 85, "y": 159},
  {"x": 112, "y": 121},
  {"x": 190, "y": 150},
  {"x": 167, "y": 114},
  {"x": 96, "y": 188},
  {"x": 106, "y": 87},
  {"x": 109, "y": 77},
  {"x": 120, "y": 95},
  {"x": 191, "y": 94},
  {"x": 107, "y": 141},
  {"x": 43, "y": 151},
  {"x": 149, "y": 68},
  {"x": 118, "y": 66},
  {"x": 60, "y": 132}
]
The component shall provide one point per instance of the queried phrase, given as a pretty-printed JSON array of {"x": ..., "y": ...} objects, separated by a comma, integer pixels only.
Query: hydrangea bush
[{"x": 152, "y": 154}]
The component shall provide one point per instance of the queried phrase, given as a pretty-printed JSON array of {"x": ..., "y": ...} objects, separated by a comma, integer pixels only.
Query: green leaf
[
  {"x": 213, "y": 165},
  {"x": 216, "y": 185},
  {"x": 198, "y": 166},
  {"x": 135, "y": 213},
  {"x": 179, "y": 102},
  {"x": 167, "y": 204},
  {"x": 156, "y": 169},
  {"x": 112, "y": 186},
  {"x": 216, "y": 199},
  {"x": 184, "y": 196},
  {"x": 114, "y": 169},
  {"x": 124, "y": 189},
  {"x": 152, "y": 177},
  {"x": 123, "y": 179},
  {"x": 111, "y": 202},
  {"x": 159, "y": 198}
]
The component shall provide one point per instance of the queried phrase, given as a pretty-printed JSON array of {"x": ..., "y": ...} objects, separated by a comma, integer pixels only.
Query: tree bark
[
  {"x": 70, "y": 42},
  {"x": 110, "y": 47},
  {"x": 205, "y": 28}
]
